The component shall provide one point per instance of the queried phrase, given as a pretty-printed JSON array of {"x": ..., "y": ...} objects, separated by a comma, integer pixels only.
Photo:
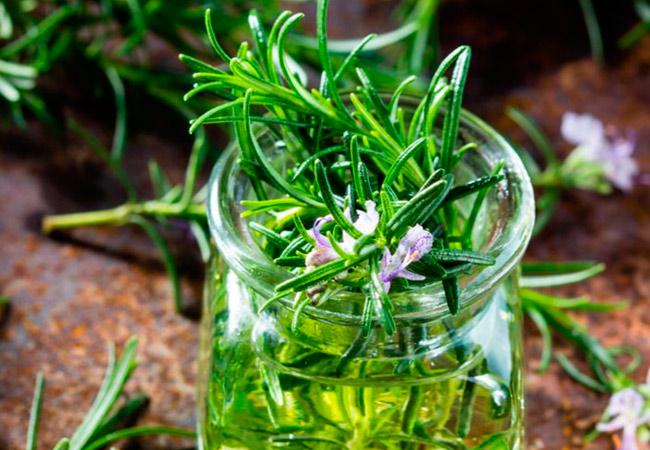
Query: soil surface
[{"x": 74, "y": 293}]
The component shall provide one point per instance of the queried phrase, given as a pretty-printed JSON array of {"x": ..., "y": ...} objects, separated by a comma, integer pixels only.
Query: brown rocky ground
[{"x": 73, "y": 295}]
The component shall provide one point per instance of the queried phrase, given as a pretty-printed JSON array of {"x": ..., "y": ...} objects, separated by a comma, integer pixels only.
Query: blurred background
[{"x": 91, "y": 111}]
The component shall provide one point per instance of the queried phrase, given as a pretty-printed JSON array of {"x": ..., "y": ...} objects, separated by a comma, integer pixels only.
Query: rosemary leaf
[
  {"x": 321, "y": 32},
  {"x": 63, "y": 444},
  {"x": 273, "y": 177},
  {"x": 366, "y": 185},
  {"x": 547, "y": 340},
  {"x": 273, "y": 238},
  {"x": 579, "y": 376},
  {"x": 35, "y": 413},
  {"x": 257, "y": 30},
  {"x": 399, "y": 163},
  {"x": 473, "y": 186},
  {"x": 290, "y": 261},
  {"x": 320, "y": 274},
  {"x": 419, "y": 208},
  {"x": 535, "y": 133},
  {"x": 565, "y": 274},
  {"x": 168, "y": 258},
  {"x": 155, "y": 430},
  {"x": 476, "y": 207},
  {"x": 116, "y": 375},
  {"x": 122, "y": 416},
  {"x": 355, "y": 159},
  {"x": 452, "y": 293},
  {"x": 212, "y": 38},
  {"x": 325, "y": 189},
  {"x": 455, "y": 256},
  {"x": 350, "y": 58}
]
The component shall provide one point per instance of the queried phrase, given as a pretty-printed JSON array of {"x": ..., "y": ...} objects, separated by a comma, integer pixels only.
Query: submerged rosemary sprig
[{"x": 375, "y": 180}]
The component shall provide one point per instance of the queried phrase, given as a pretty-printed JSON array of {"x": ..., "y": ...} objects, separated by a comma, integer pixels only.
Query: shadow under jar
[{"x": 439, "y": 382}]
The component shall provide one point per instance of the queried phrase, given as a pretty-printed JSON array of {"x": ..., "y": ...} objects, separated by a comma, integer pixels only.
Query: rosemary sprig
[
  {"x": 101, "y": 425},
  {"x": 142, "y": 18},
  {"x": 150, "y": 216},
  {"x": 596, "y": 40},
  {"x": 326, "y": 133},
  {"x": 642, "y": 28},
  {"x": 551, "y": 313},
  {"x": 593, "y": 30},
  {"x": 554, "y": 175}
]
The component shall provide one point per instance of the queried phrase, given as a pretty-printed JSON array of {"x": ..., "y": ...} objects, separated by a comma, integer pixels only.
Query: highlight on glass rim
[{"x": 324, "y": 224}]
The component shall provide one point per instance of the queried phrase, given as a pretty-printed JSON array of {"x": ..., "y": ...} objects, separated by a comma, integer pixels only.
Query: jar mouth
[{"x": 508, "y": 216}]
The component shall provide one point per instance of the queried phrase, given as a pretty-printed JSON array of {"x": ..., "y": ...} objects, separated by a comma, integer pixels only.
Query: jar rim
[{"x": 261, "y": 274}]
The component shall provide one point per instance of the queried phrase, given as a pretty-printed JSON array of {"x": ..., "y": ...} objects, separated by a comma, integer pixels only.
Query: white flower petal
[
  {"x": 367, "y": 220},
  {"x": 582, "y": 129},
  {"x": 620, "y": 166},
  {"x": 627, "y": 402},
  {"x": 618, "y": 423},
  {"x": 612, "y": 151},
  {"x": 348, "y": 243},
  {"x": 628, "y": 441}
]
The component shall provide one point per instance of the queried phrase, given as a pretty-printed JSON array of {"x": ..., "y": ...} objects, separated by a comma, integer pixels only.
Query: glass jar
[{"x": 441, "y": 381}]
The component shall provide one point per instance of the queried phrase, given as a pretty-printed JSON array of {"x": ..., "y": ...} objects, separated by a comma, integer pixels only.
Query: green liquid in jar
[{"x": 266, "y": 386}]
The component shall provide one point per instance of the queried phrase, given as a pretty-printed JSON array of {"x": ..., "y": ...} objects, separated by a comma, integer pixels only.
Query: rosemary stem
[
  {"x": 409, "y": 417},
  {"x": 122, "y": 214},
  {"x": 549, "y": 178}
]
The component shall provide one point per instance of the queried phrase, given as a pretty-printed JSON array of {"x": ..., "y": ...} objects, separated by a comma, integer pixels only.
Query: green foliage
[
  {"x": 54, "y": 35},
  {"x": 641, "y": 29},
  {"x": 550, "y": 314},
  {"x": 105, "y": 422},
  {"x": 409, "y": 171},
  {"x": 61, "y": 40},
  {"x": 629, "y": 39},
  {"x": 593, "y": 29}
]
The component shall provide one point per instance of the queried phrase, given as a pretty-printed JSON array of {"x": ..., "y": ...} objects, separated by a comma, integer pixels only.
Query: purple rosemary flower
[
  {"x": 608, "y": 149},
  {"x": 626, "y": 413},
  {"x": 324, "y": 252},
  {"x": 414, "y": 245}
]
